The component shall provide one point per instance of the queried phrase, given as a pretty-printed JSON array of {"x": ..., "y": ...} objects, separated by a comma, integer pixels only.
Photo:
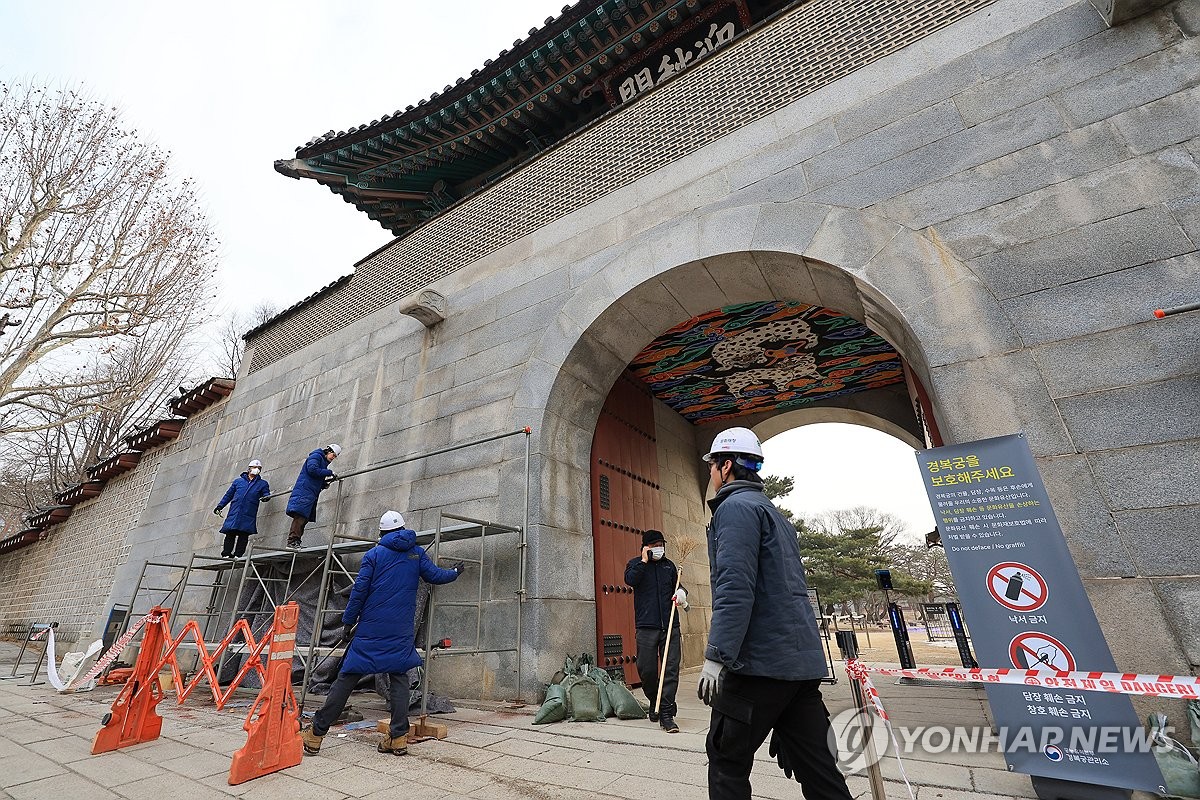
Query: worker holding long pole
[{"x": 656, "y": 593}]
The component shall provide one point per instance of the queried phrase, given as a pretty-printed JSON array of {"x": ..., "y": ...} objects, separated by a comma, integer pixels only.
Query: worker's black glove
[
  {"x": 217, "y": 511},
  {"x": 347, "y": 633},
  {"x": 331, "y": 479},
  {"x": 459, "y": 567},
  {"x": 265, "y": 498},
  {"x": 782, "y": 757}
]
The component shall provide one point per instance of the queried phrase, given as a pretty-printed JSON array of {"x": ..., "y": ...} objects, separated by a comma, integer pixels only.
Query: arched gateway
[{"x": 767, "y": 313}]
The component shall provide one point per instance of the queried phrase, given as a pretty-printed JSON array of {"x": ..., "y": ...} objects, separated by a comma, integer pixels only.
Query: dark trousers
[
  {"x": 235, "y": 544},
  {"x": 339, "y": 693},
  {"x": 650, "y": 644},
  {"x": 745, "y": 711},
  {"x": 297, "y": 529}
]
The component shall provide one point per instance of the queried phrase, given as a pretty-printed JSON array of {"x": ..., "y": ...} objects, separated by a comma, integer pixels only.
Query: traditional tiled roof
[
  {"x": 324, "y": 290},
  {"x": 190, "y": 402},
  {"x": 20, "y": 539},
  {"x": 74, "y": 495},
  {"x": 45, "y": 517},
  {"x": 113, "y": 466},
  {"x": 406, "y": 167},
  {"x": 160, "y": 432},
  {"x": 195, "y": 400}
]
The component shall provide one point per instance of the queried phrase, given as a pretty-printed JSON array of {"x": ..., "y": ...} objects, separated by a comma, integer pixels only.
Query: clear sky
[
  {"x": 229, "y": 88},
  {"x": 842, "y": 466}
]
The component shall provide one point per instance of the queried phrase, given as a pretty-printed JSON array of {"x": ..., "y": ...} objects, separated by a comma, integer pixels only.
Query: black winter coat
[
  {"x": 762, "y": 621},
  {"x": 653, "y": 587}
]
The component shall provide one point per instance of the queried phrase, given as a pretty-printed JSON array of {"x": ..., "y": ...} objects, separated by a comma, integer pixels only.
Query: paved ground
[{"x": 45, "y": 740}]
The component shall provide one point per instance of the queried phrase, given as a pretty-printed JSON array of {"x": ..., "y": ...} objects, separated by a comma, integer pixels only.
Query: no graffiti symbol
[
  {"x": 1017, "y": 586},
  {"x": 1040, "y": 651}
]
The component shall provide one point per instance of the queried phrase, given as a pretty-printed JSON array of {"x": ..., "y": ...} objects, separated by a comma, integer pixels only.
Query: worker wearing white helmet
[
  {"x": 242, "y": 497},
  {"x": 383, "y": 605},
  {"x": 314, "y": 476},
  {"x": 764, "y": 662}
]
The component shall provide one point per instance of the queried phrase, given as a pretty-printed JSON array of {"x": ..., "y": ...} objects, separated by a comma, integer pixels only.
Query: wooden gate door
[{"x": 625, "y": 502}]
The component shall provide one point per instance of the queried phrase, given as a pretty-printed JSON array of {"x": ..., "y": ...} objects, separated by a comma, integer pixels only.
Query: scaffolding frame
[
  {"x": 466, "y": 529},
  {"x": 249, "y": 569}
]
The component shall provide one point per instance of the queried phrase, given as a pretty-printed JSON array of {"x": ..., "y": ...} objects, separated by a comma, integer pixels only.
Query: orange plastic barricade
[
  {"x": 273, "y": 723},
  {"x": 274, "y": 720},
  {"x": 134, "y": 717}
]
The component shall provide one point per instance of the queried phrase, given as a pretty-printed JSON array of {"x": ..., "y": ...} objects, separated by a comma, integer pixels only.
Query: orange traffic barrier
[
  {"x": 273, "y": 723},
  {"x": 134, "y": 717},
  {"x": 207, "y": 660}
]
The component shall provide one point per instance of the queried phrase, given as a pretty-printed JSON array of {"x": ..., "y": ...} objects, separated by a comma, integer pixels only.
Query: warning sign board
[
  {"x": 1017, "y": 587},
  {"x": 1018, "y": 583},
  {"x": 1040, "y": 651}
]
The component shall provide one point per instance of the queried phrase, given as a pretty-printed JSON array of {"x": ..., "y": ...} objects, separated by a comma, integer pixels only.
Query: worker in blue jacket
[
  {"x": 764, "y": 663},
  {"x": 383, "y": 605},
  {"x": 314, "y": 476},
  {"x": 243, "y": 496}
]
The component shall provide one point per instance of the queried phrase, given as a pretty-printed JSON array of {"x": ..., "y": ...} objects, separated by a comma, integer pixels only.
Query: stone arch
[
  {"x": 901, "y": 283},
  {"x": 905, "y": 285},
  {"x": 788, "y": 420}
]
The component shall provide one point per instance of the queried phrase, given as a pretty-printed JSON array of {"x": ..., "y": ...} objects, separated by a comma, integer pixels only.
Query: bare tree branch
[
  {"x": 103, "y": 255},
  {"x": 229, "y": 342}
]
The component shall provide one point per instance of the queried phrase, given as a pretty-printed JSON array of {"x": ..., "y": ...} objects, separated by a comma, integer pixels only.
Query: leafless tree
[
  {"x": 230, "y": 345},
  {"x": 103, "y": 255},
  {"x": 891, "y": 528},
  {"x": 54, "y": 454}
]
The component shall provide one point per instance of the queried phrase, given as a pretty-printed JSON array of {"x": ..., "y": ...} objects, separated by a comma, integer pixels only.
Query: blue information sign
[{"x": 1019, "y": 587}]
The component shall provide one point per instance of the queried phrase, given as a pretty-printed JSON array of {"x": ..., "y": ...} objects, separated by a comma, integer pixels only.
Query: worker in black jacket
[{"x": 654, "y": 579}]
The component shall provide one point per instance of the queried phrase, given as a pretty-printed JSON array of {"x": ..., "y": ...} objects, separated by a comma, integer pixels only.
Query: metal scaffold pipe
[{"x": 526, "y": 431}]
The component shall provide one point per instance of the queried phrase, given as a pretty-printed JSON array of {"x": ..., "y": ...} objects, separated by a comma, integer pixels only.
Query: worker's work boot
[
  {"x": 668, "y": 724},
  {"x": 312, "y": 742},
  {"x": 397, "y": 746}
]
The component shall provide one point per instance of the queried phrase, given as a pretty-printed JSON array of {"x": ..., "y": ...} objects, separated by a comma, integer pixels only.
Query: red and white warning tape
[
  {"x": 1185, "y": 687},
  {"x": 858, "y": 671},
  {"x": 1181, "y": 686},
  {"x": 114, "y": 651}
]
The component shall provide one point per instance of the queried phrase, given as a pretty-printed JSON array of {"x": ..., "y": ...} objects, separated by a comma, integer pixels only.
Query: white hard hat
[
  {"x": 736, "y": 441},
  {"x": 391, "y": 520},
  {"x": 255, "y": 463},
  {"x": 336, "y": 448}
]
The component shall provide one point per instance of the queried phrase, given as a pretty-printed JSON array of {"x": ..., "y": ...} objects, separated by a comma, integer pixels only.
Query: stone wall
[
  {"x": 683, "y": 477},
  {"x": 69, "y": 576}
]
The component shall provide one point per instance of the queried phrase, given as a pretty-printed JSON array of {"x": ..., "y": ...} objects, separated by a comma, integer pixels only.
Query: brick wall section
[{"x": 68, "y": 577}]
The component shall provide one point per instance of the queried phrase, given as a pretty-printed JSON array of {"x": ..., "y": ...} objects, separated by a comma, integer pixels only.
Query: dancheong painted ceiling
[{"x": 755, "y": 357}]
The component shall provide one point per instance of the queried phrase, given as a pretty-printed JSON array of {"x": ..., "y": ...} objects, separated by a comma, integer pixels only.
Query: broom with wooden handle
[{"x": 683, "y": 546}]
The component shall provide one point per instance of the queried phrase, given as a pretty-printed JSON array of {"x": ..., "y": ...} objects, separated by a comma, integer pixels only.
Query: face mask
[
  {"x": 657, "y": 552},
  {"x": 255, "y": 470}
]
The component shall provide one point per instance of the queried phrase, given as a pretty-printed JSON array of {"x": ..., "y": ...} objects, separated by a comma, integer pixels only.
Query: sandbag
[
  {"x": 554, "y": 707},
  {"x": 1178, "y": 765},
  {"x": 602, "y": 679},
  {"x": 624, "y": 704},
  {"x": 1193, "y": 710},
  {"x": 583, "y": 699}
]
